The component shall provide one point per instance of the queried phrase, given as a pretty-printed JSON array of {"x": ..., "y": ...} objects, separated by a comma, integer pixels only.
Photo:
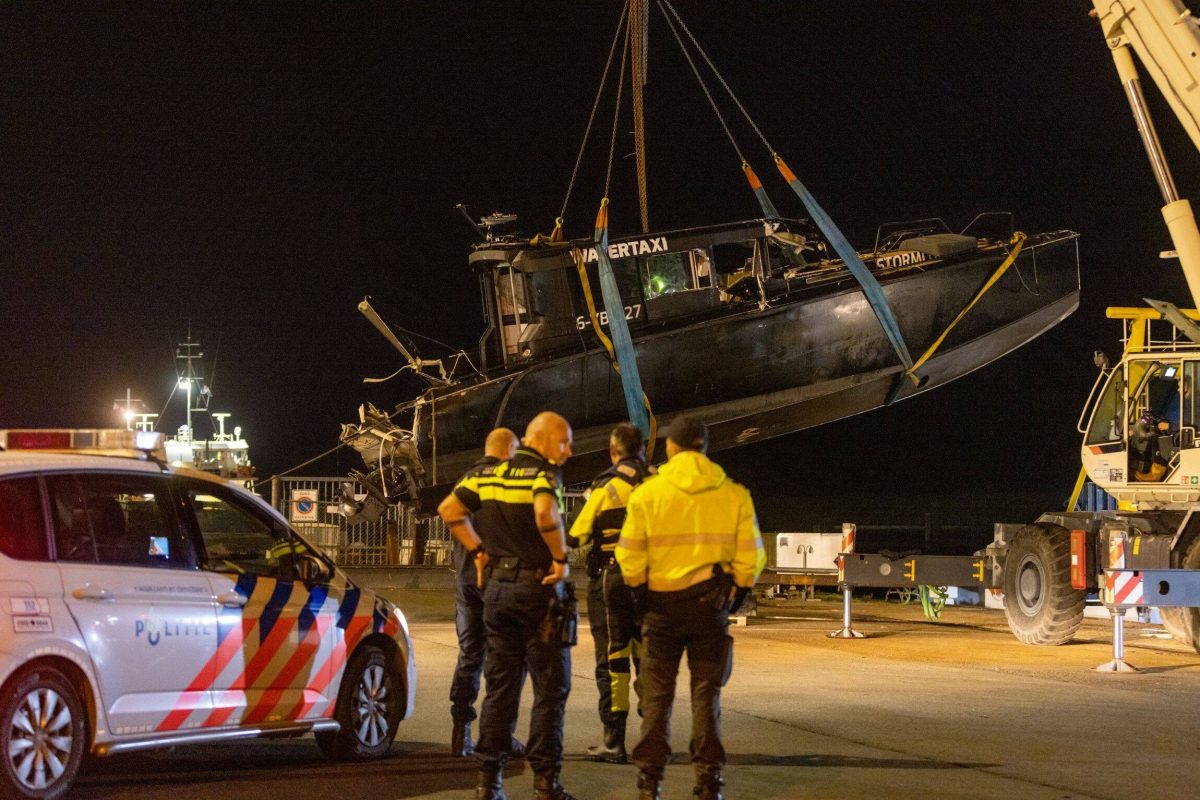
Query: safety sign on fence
[{"x": 304, "y": 505}]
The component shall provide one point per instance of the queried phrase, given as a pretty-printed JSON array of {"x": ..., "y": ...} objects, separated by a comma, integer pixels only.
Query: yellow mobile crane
[{"x": 1140, "y": 422}]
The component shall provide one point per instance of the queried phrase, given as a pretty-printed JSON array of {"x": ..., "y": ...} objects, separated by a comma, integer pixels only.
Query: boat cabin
[{"x": 535, "y": 302}]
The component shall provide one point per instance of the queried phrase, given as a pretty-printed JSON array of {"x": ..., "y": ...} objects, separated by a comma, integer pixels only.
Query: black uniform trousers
[
  {"x": 598, "y": 622},
  {"x": 611, "y": 617},
  {"x": 512, "y": 613},
  {"x": 672, "y": 626},
  {"x": 472, "y": 642}
]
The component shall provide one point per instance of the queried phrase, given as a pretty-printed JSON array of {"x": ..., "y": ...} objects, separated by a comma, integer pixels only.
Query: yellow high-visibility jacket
[
  {"x": 603, "y": 513},
  {"x": 685, "y": 519}
]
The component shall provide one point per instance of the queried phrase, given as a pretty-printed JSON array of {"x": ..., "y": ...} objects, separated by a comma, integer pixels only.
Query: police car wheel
[
  {"x": 368, "y": 709},
  {"x": 42, "y": 734}
]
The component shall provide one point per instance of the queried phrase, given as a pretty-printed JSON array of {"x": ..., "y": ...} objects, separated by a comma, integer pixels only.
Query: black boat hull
[{"x": 817, "y": 356}]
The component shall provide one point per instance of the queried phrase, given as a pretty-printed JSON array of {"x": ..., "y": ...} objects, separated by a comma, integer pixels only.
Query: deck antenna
[
  {"x": 462, "y": 207},
  {"x": 495, "y": 220}
]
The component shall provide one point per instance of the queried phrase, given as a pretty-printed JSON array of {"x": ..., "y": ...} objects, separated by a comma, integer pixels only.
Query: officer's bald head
[
  {"x": 500, "y": 443},
  {"x": 550, "y": 434}
]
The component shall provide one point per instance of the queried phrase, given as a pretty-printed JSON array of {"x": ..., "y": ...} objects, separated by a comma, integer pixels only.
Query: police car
[{"x": 143, "y": 606}]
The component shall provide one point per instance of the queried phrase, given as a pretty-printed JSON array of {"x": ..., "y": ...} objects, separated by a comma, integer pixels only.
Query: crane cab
[{"x": 1140, "y": 440}]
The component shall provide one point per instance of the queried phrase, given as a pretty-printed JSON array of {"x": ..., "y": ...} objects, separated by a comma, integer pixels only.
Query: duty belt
[{"x": 508, "y": 574}]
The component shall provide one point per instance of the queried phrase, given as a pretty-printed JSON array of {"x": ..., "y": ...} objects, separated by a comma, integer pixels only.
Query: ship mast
[
  {"x": 125, "y": 406},
  {"x": 189, "y": 353}
]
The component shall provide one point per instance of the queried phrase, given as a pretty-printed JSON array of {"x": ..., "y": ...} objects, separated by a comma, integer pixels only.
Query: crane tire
[
  {"x": 1184, "y": 623},
  {"x": 1039, "y": 602}
]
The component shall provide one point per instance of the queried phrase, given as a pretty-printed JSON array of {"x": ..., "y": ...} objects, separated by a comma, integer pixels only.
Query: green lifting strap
[{"x": 858, "y": 269}]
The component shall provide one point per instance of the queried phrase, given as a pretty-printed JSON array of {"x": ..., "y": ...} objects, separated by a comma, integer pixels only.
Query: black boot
[
  {"x": 708, "y": 786},
  {"x": 613, "y": 749},
  {"x": 491, "y": 786},
  {"x": 649, "y": 788},
  {"x": 460, "y": 740},
  {"x": 547, "y": 787}
]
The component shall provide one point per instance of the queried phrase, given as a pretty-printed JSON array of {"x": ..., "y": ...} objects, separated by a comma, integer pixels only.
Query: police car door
[
  {"x": 131, "y": 582},
  {"x": 274, "y": 628}
]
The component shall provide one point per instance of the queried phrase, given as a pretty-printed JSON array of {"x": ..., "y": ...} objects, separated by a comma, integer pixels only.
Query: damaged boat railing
[
  {"x": 889, "y": 235},
  {"x": 977, "y": 228}
]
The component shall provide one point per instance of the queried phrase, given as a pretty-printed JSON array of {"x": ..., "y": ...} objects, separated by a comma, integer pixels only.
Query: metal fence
[{"x": 399, "y": 538}]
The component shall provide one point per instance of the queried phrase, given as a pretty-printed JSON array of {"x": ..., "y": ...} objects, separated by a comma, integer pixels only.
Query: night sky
[{"x": 258, "y": 169}]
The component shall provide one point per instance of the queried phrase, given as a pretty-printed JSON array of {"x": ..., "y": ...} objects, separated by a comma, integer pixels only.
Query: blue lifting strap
[
  {"x": 631, "y": 381},
  {"x": 764, "y": 202},
  {"x": 858, "y": 269}
]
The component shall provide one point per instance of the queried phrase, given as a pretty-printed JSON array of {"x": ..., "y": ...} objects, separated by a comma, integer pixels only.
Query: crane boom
[{"x": 1166, "y": 38}]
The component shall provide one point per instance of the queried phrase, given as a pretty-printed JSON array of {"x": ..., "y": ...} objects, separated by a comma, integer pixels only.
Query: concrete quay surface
[{"x": 956, "y": 709}]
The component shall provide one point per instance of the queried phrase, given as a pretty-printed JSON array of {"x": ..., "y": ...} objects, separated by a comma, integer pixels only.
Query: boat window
[
  {"x": 517, "y": 316},
  {"x": 625, "y": 270},
  {"x": 736, "y": 264},
  {"x": 676, "y": 272},
  {"x": 511, "y": 288},
  {"x": 734, "y": 257},
  {"x": 629, "y": 284},
  {"x": 667, "y": 274},
  {"x": 785, "y": 253},
  {"x": 701, "y": 268}
]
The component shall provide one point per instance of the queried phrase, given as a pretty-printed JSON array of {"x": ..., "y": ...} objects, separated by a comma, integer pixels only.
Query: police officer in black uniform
[
  {"x": 611, "y": 615},
  {"x": 521, "y": 562},
  {"x": 500, "y": 446}
]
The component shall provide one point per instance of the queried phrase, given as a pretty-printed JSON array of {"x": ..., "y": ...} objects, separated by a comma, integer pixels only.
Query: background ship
[{"x": 221, "y": 452}]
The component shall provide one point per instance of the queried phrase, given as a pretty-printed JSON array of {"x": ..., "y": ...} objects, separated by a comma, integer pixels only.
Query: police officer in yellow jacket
[
  {"x": 691, "y": 548},
  {"x": 610, "y": 612}
]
